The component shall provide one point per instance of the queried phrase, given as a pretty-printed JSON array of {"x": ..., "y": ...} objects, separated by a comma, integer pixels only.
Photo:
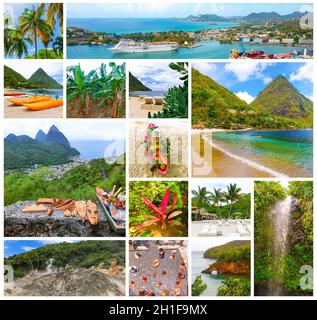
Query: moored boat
[{"x": 130, "y": 46}]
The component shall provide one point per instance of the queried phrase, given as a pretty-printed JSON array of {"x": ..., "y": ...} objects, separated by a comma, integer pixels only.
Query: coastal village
[{"x": 263, "y": 33}]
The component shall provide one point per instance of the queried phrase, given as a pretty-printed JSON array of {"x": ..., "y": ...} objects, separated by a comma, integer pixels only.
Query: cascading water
[
  {"x": 280, "y": 216},
  {"x": 50, "y": 266}
]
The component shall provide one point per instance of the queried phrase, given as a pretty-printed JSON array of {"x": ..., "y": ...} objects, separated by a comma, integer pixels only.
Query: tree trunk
[
  {"x": 87, "y": 111},
  {"x": 115, "y": 104},
  {"x": 35, "y": 43}
]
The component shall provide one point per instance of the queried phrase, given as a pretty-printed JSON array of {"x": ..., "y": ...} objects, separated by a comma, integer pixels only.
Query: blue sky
[
  {"x": 12, "y": 247},
  {"x": 243, "y": 184},
  {"x": 247, "y": 78},
  {"x": 74, "y": 130},
  {"x": 15, "y": 10},
  {"x": 163, "y": 9},
  {"x": 54, "y": 68},
  {"x": 158, "y": 76}
]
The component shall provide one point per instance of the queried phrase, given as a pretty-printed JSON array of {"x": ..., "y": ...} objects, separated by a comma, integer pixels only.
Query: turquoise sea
[
  {"x": 282, "y": 153},
  {"x": 135, "y": 25},
  {"x": 213, "y": 281},
  {"x": 208, "y": 50},
  {"x": 49, "y": 92},
  {"x": 96, "y": 149},
  {"x": 147, "y": 93}
]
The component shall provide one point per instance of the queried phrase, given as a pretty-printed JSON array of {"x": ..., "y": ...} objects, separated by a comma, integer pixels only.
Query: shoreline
[{"x": 222, "y": 164}]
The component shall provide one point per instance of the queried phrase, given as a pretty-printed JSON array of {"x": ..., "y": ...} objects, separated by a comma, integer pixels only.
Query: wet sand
[
  {"x": 138, "y": 162},
  {"x": 211, "y": 162},
  {"x": 138, "y": 109},
  {"x": 12, "y": 111}
]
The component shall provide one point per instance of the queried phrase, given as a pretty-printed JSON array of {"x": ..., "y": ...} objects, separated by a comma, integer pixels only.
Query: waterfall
[
  {"x": 50, "y": 266},
  {"x": 280, "y": 216}
]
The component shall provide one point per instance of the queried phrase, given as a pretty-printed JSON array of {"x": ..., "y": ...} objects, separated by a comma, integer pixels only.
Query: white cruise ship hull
[{"x": 142, "y": 50}]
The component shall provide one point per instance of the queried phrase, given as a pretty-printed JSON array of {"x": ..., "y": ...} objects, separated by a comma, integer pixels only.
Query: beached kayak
[
  {"x": 12, "y": 94},
  {"x": 41, "y": 105},
  {"x": 32, "y": 99}
]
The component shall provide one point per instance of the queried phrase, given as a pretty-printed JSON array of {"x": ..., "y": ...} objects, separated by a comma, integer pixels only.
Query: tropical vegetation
[
  {"x": 36, "y": 25},
  {"x": 198, "y": 286},
  {"x": 233, "y": 262},
  {"x": 78, "y": 183},
  {"x": 176, "y": 98},
  {"x": 83, "y": 254},
  {"x": 228, "y": 204},
  {"x": 158, "y": 209},
  {"x": 300, "y": 238},
  {"x": 279, "y": 106},
  {"x": 99, "y": 93}
]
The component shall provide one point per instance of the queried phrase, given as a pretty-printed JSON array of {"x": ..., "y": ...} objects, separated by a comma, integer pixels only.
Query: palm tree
[
  {"x": 46, "y": 38},
  {"x": 58, "y": 46},
  {"x": 32, "y": 24},
  {"x": 232, "y": 195},
  {"x": 217, "y": 197},
  {"x": 15, "y": 43},
  {"x": 201, "y": 197},
  {"x": 53, "y": 11}
]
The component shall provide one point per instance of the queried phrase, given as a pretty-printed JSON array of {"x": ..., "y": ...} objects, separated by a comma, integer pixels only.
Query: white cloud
[
  {"x": 52, "y": 68},
  {"x": 244, "y": 70},
  {"x": 305, "y": 72},
  {"x": 74, "y": 130},
  {"x": 267, "y": 80},
  {"x": 26, "y": 248},
  {"x": 243, "y": 95},
  {"x": 158, "y": 76},
  {"x": 206, "y": 68}
]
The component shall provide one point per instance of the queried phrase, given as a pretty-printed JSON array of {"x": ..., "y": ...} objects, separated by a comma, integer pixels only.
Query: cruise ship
[{"x": 130, "y": 46}]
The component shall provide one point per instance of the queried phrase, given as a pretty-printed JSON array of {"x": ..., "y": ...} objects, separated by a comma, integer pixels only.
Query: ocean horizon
[
  {"x": 96, "y": 149},
  {"x": 145, "y": 25}
]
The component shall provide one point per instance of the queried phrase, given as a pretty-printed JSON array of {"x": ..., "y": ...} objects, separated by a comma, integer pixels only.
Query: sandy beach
[
  {"x": 212, "y": 162},
  {"x": 138, "y": 109},
  {"x": 138, "y": 162},
  {"x": 12, "y": 111}
]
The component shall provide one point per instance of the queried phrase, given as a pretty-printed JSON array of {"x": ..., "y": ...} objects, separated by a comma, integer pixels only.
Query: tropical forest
[
  {"x": 96, "y": 93},
  {"x": 283, "y": 236},
  {"x": 221, "y": 270},
  {"x": 217, "y": 203},
  {"x": 278, "y": 106},
  {"x": 36, "y": 32},
  {"x": 158, "y": 209},
  {"x": 45, "y": 268}
]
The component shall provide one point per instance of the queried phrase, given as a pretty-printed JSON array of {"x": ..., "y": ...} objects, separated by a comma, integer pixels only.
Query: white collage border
[{"x": 127, "y": 121}]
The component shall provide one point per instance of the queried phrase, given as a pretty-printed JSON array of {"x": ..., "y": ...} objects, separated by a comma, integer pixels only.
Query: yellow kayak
[
  {"x": 33, "y": 99},
  {"x": 41, "y": 105}
]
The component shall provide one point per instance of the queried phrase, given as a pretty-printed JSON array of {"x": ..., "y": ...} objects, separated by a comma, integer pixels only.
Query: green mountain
[
  {"x": 39, "y": 79},
  {"x": 279, "y": 106},
  {"x": 13, "y": 79},
  {"x": 226, "y": 249},
  {"x": 281, "y": 98},
  {"x": 213, "y": 105},
  {"x": 83, "y": 254},
  {"x": 136, "y": 85},
  {"x": 42, "y": 79},
  {"x": 23, "y": 151}
]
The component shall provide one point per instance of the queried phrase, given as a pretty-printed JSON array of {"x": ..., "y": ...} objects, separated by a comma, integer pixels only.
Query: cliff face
[
  {"x": 19, "y": 224},
  {"x": 234, "y": 268}
]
